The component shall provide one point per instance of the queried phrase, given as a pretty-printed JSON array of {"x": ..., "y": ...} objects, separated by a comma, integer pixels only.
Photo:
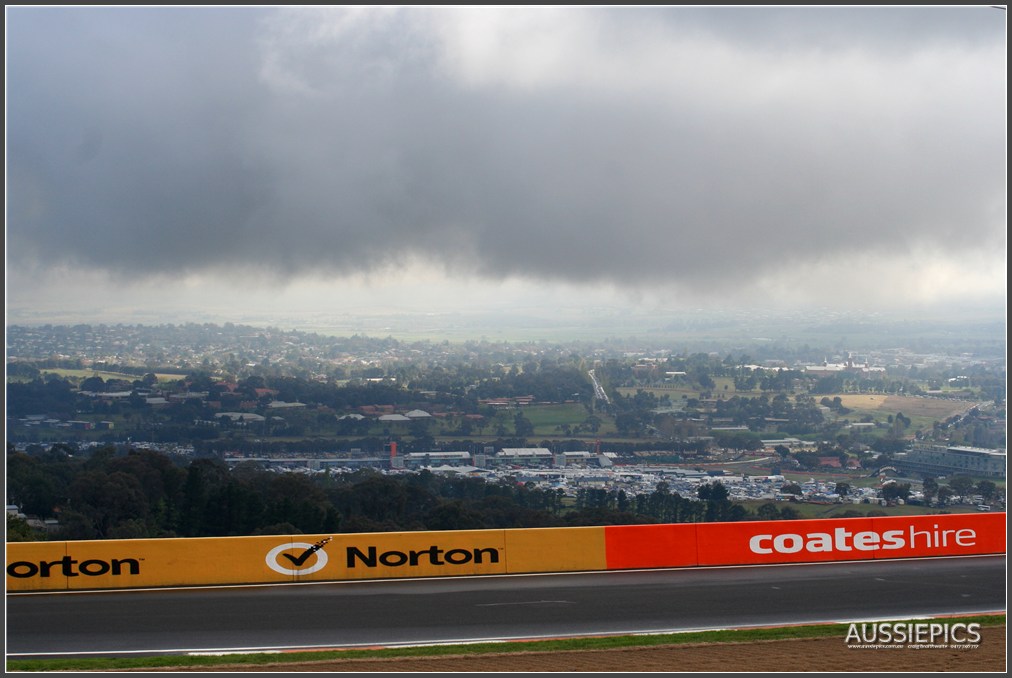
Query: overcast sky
[{"x": 421, "y": 157}]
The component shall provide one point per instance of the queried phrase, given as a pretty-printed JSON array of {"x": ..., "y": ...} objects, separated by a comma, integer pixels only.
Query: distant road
[
  {"x": 598, "y": 391},
  {"x": 389, "y": 613}
]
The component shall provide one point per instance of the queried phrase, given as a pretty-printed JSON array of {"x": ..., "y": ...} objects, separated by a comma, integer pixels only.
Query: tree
[
  {"x": 108, "y": 499},
  {"x": 18, "y": 529},
  {"x": 808, "y": 460},
  {"x": 419, "y": 428},
  {"x": 204, "y": 479},
  {"x": 296, "y": 499},
  {"x": 93, "y": 384},
  {"x": 36, "y": 485},
  {"x": 892, "y": 491},
  {"x": 453, "y": 516},
  {"x": 627, "y": 423},
  {"x": 791, "y": 488},
  {"x": 712, "y": 492},
  {"x": 768, "y": 512},
  {"x": 961, "y": 485},
  {"x": 523, "y": 426},
  {"x": 987, "y": 489},
  {"x": 789, "y": 513}
]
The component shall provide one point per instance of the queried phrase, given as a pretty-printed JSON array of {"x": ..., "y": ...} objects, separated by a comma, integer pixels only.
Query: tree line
[{"x": 136, "y": 494}]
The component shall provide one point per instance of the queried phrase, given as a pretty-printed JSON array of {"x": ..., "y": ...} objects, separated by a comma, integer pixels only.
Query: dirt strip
[{"x": 805, "y": 655}]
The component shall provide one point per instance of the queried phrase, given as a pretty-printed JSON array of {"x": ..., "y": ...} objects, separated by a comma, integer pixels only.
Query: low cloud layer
[{"x": 698, "y": 148}]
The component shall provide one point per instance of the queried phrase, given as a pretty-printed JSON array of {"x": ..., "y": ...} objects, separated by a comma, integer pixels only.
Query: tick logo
[{"x": 298, "y": 560}]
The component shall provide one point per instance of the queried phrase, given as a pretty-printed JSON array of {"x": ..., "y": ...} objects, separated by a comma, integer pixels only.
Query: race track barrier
[{"x": 137, "y": 563}]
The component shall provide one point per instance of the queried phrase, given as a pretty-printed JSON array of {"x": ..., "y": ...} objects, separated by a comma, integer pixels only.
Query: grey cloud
[
  {"x": 161, "y": 141},
  {"x": 880, "y": 29}
]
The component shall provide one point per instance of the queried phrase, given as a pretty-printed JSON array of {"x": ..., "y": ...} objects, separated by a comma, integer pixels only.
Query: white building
[
  {"x": 523, "y": 456},
  {"x": 940, "y": 461}
]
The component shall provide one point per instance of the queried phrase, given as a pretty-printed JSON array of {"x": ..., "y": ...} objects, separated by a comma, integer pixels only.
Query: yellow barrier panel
[
  {"x": 566, "y": 549},
  {"x": 36, "y": 566},
  {"x": 133, "y": 563},
  {"x": 142, "y": 562}
]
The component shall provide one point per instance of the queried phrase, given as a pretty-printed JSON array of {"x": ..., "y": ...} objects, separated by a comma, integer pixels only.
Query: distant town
[{"x": 805, "y": 425}]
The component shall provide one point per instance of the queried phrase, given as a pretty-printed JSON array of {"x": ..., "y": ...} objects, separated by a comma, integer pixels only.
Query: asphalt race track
[{"x": 389, "y": 613}]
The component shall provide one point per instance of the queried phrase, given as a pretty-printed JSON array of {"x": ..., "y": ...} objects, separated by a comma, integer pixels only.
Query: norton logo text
[
  {"x": 69, "y": 567},
  {"x": 296, "y": 558},
  {"x": 842, "y": 539},
  {"x": 433, "y": 555}
]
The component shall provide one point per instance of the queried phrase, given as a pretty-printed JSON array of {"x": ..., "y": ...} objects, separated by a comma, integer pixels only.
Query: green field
[
  {"x": 543, "y": 416},
  {"x": 548, "y": 419}
]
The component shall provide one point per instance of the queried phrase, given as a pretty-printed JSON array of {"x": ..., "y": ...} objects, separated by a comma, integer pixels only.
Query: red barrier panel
[
  {"x": 802, "y": 541},
  {"x": 635, "y": 546}
]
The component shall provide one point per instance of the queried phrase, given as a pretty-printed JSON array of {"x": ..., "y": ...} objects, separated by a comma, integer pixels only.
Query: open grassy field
[
  {"x": 681, "y": 390},
  {"x": 911, "y": 406},
  {"x": 546, "y": 418},
  {"x": 673, "y": 391},
  {"x": 555, "y": 415},
  {"x": 921, "y": 411}
]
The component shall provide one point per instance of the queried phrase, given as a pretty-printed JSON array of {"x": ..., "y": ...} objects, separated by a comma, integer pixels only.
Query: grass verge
[{"x": 560, "y": 645}]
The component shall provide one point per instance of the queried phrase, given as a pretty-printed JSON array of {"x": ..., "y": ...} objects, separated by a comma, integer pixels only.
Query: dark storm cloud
[{"x": 628, "y": 146}]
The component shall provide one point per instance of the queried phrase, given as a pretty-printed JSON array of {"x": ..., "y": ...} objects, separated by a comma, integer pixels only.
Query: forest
[{"x": 146, "y": 494}]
